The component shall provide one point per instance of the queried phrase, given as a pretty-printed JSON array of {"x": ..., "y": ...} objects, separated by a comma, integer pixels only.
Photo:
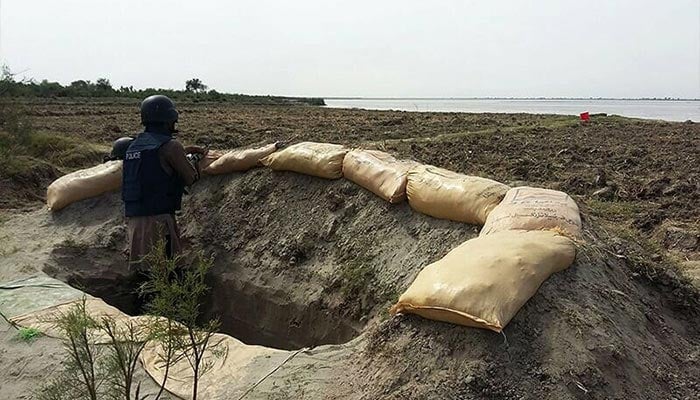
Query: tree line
[{"x": 194, "y": 90}]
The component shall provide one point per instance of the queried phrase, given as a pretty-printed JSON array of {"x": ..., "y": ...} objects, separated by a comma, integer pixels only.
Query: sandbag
[
  {"x": 485, "y": 281},
  {"x": 239, "y": 368},
  {"x": 45, "y": 319},
  {"x": 83, "y": 184},
  {"x": 448, "y": 195},
  {"x": 239, "y": 160},
  {"x": 211, "y": 157},
  {"x": 378, "y": 172},
  {"x": 530, "y": 208},
  {"x": 324, "y": 160}
]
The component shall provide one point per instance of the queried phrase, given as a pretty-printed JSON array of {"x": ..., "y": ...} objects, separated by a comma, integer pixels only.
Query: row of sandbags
[
  {"x": 107, "y": 177},
  {"x": 528, "y": 233},
  {"x": 527, "y": 236},
  {"x": 435, "y": 191},
  {"x": 430, "y": 190}
]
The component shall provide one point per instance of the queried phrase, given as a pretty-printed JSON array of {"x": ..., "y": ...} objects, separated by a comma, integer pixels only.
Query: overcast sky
[{"x": 446, "y": 48}]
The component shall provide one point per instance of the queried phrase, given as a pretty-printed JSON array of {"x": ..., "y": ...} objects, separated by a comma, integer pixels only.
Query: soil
[
  {"x": 28, "y": 365},
  {"x": 301, "y": 261}
]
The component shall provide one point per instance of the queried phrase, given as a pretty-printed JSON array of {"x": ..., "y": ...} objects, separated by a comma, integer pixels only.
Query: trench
[{"x": 252, "y": 313}]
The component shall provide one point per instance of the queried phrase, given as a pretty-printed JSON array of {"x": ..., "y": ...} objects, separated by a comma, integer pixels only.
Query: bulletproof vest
[{"x": 147, "y": 189}]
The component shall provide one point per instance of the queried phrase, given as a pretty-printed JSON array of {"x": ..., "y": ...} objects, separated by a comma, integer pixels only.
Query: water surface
[{"x": 669, "y": 110}]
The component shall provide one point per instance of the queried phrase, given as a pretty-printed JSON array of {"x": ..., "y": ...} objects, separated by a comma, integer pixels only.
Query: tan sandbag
[
  {"x": 45, "y": 319},
  {"x": 324, "y": 160},
  {"x": 378, "y": 172},
  {"x": 238, "y": 368},
  {"x": 530, "y": 208},
  {"x": 83, "y": 184},
  {"x": 211, "y": 157},
  {"x": 448, "y": 195},
  {"x": 483, "y": 282},
  {"x": 239, "y": 160}
]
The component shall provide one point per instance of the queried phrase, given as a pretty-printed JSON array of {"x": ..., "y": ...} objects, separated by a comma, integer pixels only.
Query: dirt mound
[
  {"x": 604, "y": 328},
  {"x": 302, "y": 261},
  {"x": 299, "y": 261}
]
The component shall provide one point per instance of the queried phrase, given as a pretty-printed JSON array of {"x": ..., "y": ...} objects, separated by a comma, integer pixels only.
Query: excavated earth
[{"x": 303, "y": 262}]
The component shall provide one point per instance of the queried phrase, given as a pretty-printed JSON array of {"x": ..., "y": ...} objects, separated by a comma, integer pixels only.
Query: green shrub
[
  {"x": 176, "y": 291},
  {"x": 28, "y": 334}
]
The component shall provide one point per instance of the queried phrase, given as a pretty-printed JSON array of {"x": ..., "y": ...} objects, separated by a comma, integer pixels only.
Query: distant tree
[
  {"x": 6, "y": 74},
  {"x": 80, "y": 88},
  {"x": 104, "y": 85},
  {"x": 10, "y": 86},
  {"x": 214, "y": 95},
  {"x": 195, "y": 85},
  {"x": 7, "y": 80},
  {"x": 80, "y": 84},
  {"x": 51, "y": 89}
]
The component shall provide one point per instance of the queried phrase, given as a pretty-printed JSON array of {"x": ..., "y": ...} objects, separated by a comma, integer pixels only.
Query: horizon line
[{"x": 667, "y": 98}]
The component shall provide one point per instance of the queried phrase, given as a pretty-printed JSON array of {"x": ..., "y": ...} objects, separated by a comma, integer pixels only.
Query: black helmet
[
  {"x": 158, "y": 109},
  {"x": 120, "y": 147}
]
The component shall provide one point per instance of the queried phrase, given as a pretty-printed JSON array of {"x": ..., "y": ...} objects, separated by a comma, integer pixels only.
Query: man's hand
[{"x": 196, "y": 150}]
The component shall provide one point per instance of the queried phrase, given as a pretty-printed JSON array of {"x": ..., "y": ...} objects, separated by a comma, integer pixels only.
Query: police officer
[
  {"x": 155, "y": 174},
  {"x": 119, "y": 148}
]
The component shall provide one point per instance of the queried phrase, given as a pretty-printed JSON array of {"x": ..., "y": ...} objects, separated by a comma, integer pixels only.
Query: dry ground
[{"x": 620, "y": 323}]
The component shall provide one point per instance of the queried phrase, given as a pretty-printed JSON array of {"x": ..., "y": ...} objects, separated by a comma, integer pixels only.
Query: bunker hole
[{"x": 250, "y": 312}]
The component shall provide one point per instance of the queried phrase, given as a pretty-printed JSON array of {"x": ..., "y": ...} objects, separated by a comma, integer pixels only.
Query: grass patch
[
  {"x": 64, "y": 151},
  {"x": 28, "y": 335},
  {"x": 22, "y": 147},
  {"x": 634, "y": 236},
  {"x": 358, "y": 282},
  {"x": 19, "y": 166},
  {"x": 551, "y": 122},
  {"x": 645, "y": 256},
  {"x": 356, "y": 277},
  {"x": 613, "y": 210},
  {"x": 32, "y": 159}
]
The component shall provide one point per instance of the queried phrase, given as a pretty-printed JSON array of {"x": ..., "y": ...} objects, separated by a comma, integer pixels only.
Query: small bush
[
  {"x": 92, "y": 371},
  {"x": 176, "y": 290},
  {"x": 13, "y": 120},
  {"x": 63, "y": 151},
  {"x": 17, "y": 166},
  {"x": 28, "y": 334}
]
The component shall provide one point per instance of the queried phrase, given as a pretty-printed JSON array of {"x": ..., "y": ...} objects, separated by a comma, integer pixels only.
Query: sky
[{"x": 379, "y": 48}]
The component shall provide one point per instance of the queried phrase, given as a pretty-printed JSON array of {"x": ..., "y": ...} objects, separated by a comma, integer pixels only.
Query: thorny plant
[
  {"x": 84, "y": 369},
  {"x": 106, "y": 370},
  {"x": 175, "y": 293}
]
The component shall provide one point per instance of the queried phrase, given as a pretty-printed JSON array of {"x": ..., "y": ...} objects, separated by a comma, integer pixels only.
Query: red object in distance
[{"x": 585, "y": 116}]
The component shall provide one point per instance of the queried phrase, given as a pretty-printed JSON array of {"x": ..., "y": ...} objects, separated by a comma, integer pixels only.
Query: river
[{"x": 668, "y": 110}]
